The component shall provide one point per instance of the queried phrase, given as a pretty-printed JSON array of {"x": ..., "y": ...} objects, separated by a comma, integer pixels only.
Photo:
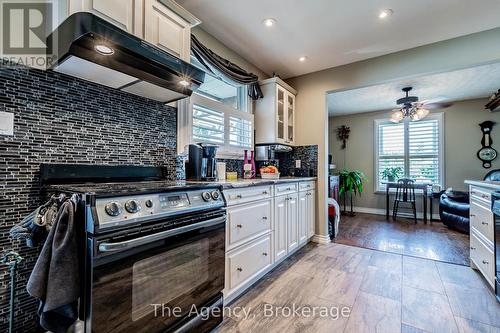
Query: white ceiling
[
  {"x": 335, "y": 32},
  {"x": 475, "y": 82}
]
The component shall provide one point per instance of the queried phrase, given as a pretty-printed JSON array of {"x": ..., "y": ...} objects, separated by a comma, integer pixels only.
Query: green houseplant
[
  {"x": 351, "y": 182},
  {"x": 391, "y": 174}
]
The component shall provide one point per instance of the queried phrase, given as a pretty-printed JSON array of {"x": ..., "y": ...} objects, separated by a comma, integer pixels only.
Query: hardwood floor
[
  {"x": 379, "y": 292},
  {"x": 431, "y": 241}
]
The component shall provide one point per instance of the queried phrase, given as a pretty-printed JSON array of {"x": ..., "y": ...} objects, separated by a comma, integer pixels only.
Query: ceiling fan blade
[
  {"x": 437, "y": 106},
  {"x": 437, "y": 99}
]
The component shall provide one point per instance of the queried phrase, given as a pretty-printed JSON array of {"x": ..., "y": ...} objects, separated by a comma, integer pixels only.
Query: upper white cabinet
[
  {"x": 164, "y": 24},
  {"x": 166, "y": 30},
  {"x": 119, "y": 12},
  {"x": 275, "y": 113}
]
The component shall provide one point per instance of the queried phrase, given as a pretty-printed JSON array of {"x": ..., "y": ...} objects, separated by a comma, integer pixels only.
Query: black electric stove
[{"x": 151, "y": 245}]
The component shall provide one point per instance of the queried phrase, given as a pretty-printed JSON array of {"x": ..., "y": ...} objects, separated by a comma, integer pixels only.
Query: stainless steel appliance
[
  {"x": 154, "y": 250},
  {"x": 265, "y": 155},
  {"x": 90, "y": 48},
  {"x": 495, "y": 200}
]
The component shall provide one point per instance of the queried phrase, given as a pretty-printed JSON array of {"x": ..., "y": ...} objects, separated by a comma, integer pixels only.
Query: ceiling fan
[{"x": 410, "y": 107}]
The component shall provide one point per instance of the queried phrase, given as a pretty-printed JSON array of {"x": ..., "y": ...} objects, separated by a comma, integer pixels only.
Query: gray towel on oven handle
[{"x": 55, "y": 279}]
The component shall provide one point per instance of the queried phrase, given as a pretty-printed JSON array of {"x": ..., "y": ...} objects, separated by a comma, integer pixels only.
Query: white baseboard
[
  {"x": 321, "y": 239},
  {"x": 381, "y": 211}
]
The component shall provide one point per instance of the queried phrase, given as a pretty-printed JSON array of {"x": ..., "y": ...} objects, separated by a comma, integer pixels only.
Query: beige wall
[
  {"x": 462, "y": 139},
  {"x": 312, "y": 117},
  {"x": 215, "y": 45}
]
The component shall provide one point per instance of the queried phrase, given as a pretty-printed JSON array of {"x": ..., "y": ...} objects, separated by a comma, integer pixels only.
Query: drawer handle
[
  {"x": 485, "y": 262},
  {"x": 484, "y": 223},
  {"x": 264, "y": 254},
  {"x": 239, "y": 196},
  {"x": 288, "y": 189},
  {"x": 239, "y": 226},
  {"x": 472, "y": 248},
  {"x": 239, "y": 269},
  {"x": 484, "y": 196},
  {"x": 472, "y": 215},
  {"x": 265, "y": 192},
  {"x": 264, "y": 217}
]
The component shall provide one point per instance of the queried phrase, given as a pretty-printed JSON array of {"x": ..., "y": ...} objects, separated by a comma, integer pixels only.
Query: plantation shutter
[
  {"x": 423, "y": 151},
  {"x": 391, "y": 149},
  {"x": 208, "y": 125},
  {"x": 240, "y": 132}
]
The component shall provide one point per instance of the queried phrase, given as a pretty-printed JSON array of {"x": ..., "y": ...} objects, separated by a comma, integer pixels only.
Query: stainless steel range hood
[{"x": 90, "y": 48}]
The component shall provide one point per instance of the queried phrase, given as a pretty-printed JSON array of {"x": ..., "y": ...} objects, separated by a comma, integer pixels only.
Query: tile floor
[{"x": 383, "y": 292}]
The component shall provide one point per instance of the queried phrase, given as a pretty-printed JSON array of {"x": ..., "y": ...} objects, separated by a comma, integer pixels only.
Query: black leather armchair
[{"x": 454, "y": 206}]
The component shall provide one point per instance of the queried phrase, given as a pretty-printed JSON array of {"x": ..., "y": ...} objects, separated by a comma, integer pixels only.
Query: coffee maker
[{"x": 201, "y": 164}]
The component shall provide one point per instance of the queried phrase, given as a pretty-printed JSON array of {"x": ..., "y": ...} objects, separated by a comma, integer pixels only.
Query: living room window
[
  {"x": 414, "y": 147},
  {"x": 218, "y": 112}
]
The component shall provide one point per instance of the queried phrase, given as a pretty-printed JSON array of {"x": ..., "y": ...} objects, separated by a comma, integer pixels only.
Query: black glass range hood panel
[{"x": 80, "y": 32}]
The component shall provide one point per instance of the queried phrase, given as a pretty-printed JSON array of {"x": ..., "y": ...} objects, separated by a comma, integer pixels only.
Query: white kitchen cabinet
[
  {"x": 126, "y": 14},
  {"x": 275, "y": 113},
  {"x": 280, "y": 228},
  {"x": 303, "y": 217},
  {"x": 292, "y": 224},
  {"x": 166, "y": 30},
  {"x": 482, "y": 241},
  {"x": 311, "y": 213}
]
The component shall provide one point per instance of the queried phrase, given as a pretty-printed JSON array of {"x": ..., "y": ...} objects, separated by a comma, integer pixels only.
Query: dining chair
[{"x": 405, "y": 193}]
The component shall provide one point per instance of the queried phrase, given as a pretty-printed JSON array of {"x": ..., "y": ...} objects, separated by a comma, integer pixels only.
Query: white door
[
  {"x": 311, "y": 207},
  {"x": 292, "y": 222},
  {"x": 118, "y": 12},
  {"x": 166, "y": 30},
  {"x": 303, "y": 217},
  {"x": 280, "y": 227}
]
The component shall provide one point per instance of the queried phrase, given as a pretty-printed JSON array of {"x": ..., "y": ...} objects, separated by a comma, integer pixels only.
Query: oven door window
[{"x": 158, "y": 284}]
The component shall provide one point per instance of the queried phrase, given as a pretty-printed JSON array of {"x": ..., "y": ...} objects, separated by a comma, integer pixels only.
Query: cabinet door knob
[
  {"x": 239, "y": 269},
  {"x": 472, "y": 248},
  {"x": 264, "y": 217},
  {"x": 484, "y": 223},
  {"x": 265, "y": 192},
  {"x": 472, "y": 215},
  {"x": 264, "y": 254},
  {"x": 239, "y": 226},
  {"x": 485, "y": 262}
]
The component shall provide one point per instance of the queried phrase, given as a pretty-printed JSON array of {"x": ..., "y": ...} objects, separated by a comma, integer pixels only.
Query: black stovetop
[{"x": 126, "y": 188}]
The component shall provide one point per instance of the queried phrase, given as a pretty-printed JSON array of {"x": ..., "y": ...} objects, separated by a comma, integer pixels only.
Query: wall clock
[{"x": 486, "y": 154}]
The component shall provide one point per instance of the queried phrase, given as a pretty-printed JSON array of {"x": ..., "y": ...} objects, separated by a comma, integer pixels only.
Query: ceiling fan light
[
  {"x": 397, "y": 116},
  {"x": 422, "y": 113}
]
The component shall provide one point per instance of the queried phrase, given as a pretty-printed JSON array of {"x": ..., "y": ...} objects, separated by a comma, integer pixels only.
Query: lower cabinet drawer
[
  {"x": 247, "y": 221},
  {"x": 481, "y": 218},
  {"x": 482, "y": 256},
  {"x": 305, "y": 186},
  {"x": 286, "y": 188},
  {"x": 246, "y": 262},
  {"x": 243, "y": 195}
]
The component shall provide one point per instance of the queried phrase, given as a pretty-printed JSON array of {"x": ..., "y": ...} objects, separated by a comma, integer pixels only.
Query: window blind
[
  {"x": 240, "y": 132},
  {"x": 208, "y": 125},
  {"x": 412, "y": 146}
]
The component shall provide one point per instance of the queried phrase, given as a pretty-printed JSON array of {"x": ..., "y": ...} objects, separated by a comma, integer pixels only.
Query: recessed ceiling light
[
  {"x": 303, "y": 58},
  {"x": 269, "y": 22},
  {"x": 385, "y": 13},
  {"x": 103, "y": 49},
  {"x": 184, "y": 83}
]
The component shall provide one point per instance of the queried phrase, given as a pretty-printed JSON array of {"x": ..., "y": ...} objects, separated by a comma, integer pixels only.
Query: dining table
[{"x": 424, "y": 187}]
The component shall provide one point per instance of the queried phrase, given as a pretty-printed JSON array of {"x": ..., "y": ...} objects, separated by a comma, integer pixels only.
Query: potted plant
[
  {"x": 391, "y": 174},
  {"x": 351, "y": 182}
]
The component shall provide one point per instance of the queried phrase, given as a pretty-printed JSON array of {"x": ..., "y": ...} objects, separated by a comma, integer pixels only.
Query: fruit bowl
[{"x": 270, "y": 175}]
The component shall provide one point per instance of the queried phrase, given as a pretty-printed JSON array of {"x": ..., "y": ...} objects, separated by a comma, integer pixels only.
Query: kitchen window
[
  {"x": 415, "y": 147},
  {"x": 218, "y": 112}
]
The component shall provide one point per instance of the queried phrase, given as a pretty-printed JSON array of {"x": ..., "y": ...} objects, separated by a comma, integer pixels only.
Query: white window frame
[
  {"x": 439, "y": 116},
  {"x": 185, "y": 123}
]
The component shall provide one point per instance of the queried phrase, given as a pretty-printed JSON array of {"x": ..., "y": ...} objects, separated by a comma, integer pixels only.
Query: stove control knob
[
  {"x": 132, "y": 206},
  {"x": 206, "y": 196},
  {"x": 215, "y": 195},
  {"x": 113, "y": 209},
  {"x": 149, "y": 203}
]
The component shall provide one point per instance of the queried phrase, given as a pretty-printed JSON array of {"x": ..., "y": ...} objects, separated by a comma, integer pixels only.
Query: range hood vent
[{"x": 90, "y": 48}]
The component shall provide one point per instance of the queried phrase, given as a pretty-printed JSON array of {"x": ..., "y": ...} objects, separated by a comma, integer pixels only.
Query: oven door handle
[{"x": 125, "y": 245}]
